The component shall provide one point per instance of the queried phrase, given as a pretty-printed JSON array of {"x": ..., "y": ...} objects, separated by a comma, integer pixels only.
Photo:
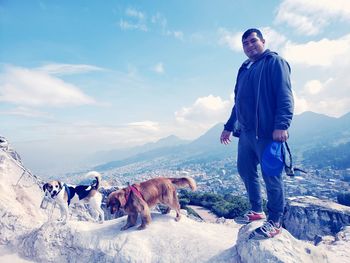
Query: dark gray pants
[{"x": 250, "y": 151}]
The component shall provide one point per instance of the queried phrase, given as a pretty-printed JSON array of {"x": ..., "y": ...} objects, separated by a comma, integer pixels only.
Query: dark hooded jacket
[{"x": 263, "y": 96}]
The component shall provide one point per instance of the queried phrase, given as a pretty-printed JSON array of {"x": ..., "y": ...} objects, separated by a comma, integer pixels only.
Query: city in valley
[{"x": 221, "y": 177}]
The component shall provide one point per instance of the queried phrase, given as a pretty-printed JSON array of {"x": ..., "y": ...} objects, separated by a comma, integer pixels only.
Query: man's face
[{"x": 253, "y": 46}]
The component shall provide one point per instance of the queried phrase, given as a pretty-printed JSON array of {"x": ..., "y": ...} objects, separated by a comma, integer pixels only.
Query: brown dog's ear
[
  {"x": 45, "y": 187},
  {"x": 110, "y": 197},
  {"x": 121, "y": 198}
]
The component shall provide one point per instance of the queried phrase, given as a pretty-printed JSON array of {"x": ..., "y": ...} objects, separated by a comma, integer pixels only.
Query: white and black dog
[{"x": 64, "y": 195}]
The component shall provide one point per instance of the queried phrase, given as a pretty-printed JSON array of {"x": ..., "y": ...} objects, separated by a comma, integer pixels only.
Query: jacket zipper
[{"x": 257, "y": 102}]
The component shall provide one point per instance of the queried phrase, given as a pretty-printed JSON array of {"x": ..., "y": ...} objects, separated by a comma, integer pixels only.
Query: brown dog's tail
[{"x": 184, "y": 181}]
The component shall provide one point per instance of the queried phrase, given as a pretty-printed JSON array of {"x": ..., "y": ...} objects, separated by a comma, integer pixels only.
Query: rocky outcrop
[
  {"x": 165, "y": 240},
  {"x": 280, "y": 249},
  {"x": 55, "y": 242},
  {"x": 19, "y": 201},
  {"x": 307, "y": 217}
]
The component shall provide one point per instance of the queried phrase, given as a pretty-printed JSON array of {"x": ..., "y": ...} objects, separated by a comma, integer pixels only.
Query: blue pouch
[{"x": 272, "y": 160}]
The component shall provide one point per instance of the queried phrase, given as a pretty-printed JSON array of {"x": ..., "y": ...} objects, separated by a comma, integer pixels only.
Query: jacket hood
[{"x": 266, "y": 53}]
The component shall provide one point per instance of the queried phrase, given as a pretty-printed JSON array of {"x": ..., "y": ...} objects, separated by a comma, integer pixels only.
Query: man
[{"x": 261, "y": 117}]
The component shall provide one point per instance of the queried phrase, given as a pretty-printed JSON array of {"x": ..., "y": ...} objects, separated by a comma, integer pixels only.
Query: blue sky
[{"x": 78, "y": 77}]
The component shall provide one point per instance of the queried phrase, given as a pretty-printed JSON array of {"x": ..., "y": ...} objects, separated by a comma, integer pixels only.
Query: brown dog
[{"x": 139, "y": 198}]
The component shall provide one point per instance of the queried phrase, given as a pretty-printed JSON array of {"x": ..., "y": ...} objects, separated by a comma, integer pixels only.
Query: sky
[{"x": 78, "y": 77}]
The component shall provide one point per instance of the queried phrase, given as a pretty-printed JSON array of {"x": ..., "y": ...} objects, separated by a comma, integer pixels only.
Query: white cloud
[
  {"x": 128, "y": 25},
  {"x": 233, "y": 40},
  {"x": 131, "y": 12},
  {"x": 190, "y": 123},
  {"x": 145, "y": 125},
  {"x": 26, "y": 112},
  {"x": 300, "y": 104},
  {"x": 310, "y": 17},
  {"x": 273, "y": 39},
  {"x": 28, "y": 87},
  {"x": 137, "y": 20},
  {"x": 206, "y": 111},
  {"x": 176, "y": 34},
  {"x": 159, "y": 68},
  {"x": 331, "y": 106},
  {"x": 230, "y": 39},
  {"x": 302, "y": 23},
  {"x": 330, "y": 97},
  {"x": 313, "y": 87},
  {"x": 325, "y": 53},
  {"x": 83, "y": 134},
  {"x": 160, "y": 20},
  {"x": 326, "y": 91},
  {"x": 67, "y": 69}
]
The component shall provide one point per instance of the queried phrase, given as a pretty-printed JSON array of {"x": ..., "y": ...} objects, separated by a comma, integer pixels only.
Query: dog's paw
[
  {"x": 177, "y": 219},
  {"x": 124, "y": 228},
  {"x": 141, "y": 227}
]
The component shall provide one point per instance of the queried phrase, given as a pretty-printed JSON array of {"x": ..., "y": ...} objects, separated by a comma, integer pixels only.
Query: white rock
[{"x": 282, "y": 248}]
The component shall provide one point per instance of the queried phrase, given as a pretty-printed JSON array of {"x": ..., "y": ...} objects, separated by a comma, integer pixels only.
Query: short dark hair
[{"x": 252, "y": 30}]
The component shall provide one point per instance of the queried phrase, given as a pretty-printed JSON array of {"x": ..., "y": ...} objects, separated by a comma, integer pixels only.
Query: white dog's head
[{"x": 52, "y": 188}]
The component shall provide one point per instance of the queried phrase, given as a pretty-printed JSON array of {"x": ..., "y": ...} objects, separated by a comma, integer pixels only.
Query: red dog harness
[{"x": 132, "y": 188}]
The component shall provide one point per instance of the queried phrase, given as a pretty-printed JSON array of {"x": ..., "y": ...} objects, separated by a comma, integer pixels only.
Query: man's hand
[
  {"x": 225, "y": 137},
  {"x": 280, "y": 135}
]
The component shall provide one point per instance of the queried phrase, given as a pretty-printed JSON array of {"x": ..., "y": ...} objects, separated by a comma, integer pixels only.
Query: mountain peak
[
  {"x": 170, "y": 138},
  {"x": 313, "y": 115},
  {"x": 168, "y": 141},
  {"x": 346, "y": 116}
]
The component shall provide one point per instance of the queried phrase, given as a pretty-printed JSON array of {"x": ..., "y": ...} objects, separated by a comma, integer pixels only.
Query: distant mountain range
[
  {"x": 119, "y": 154},
  {"x": 309, "y": 130},
  {"x": 206, "y": 146}
]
